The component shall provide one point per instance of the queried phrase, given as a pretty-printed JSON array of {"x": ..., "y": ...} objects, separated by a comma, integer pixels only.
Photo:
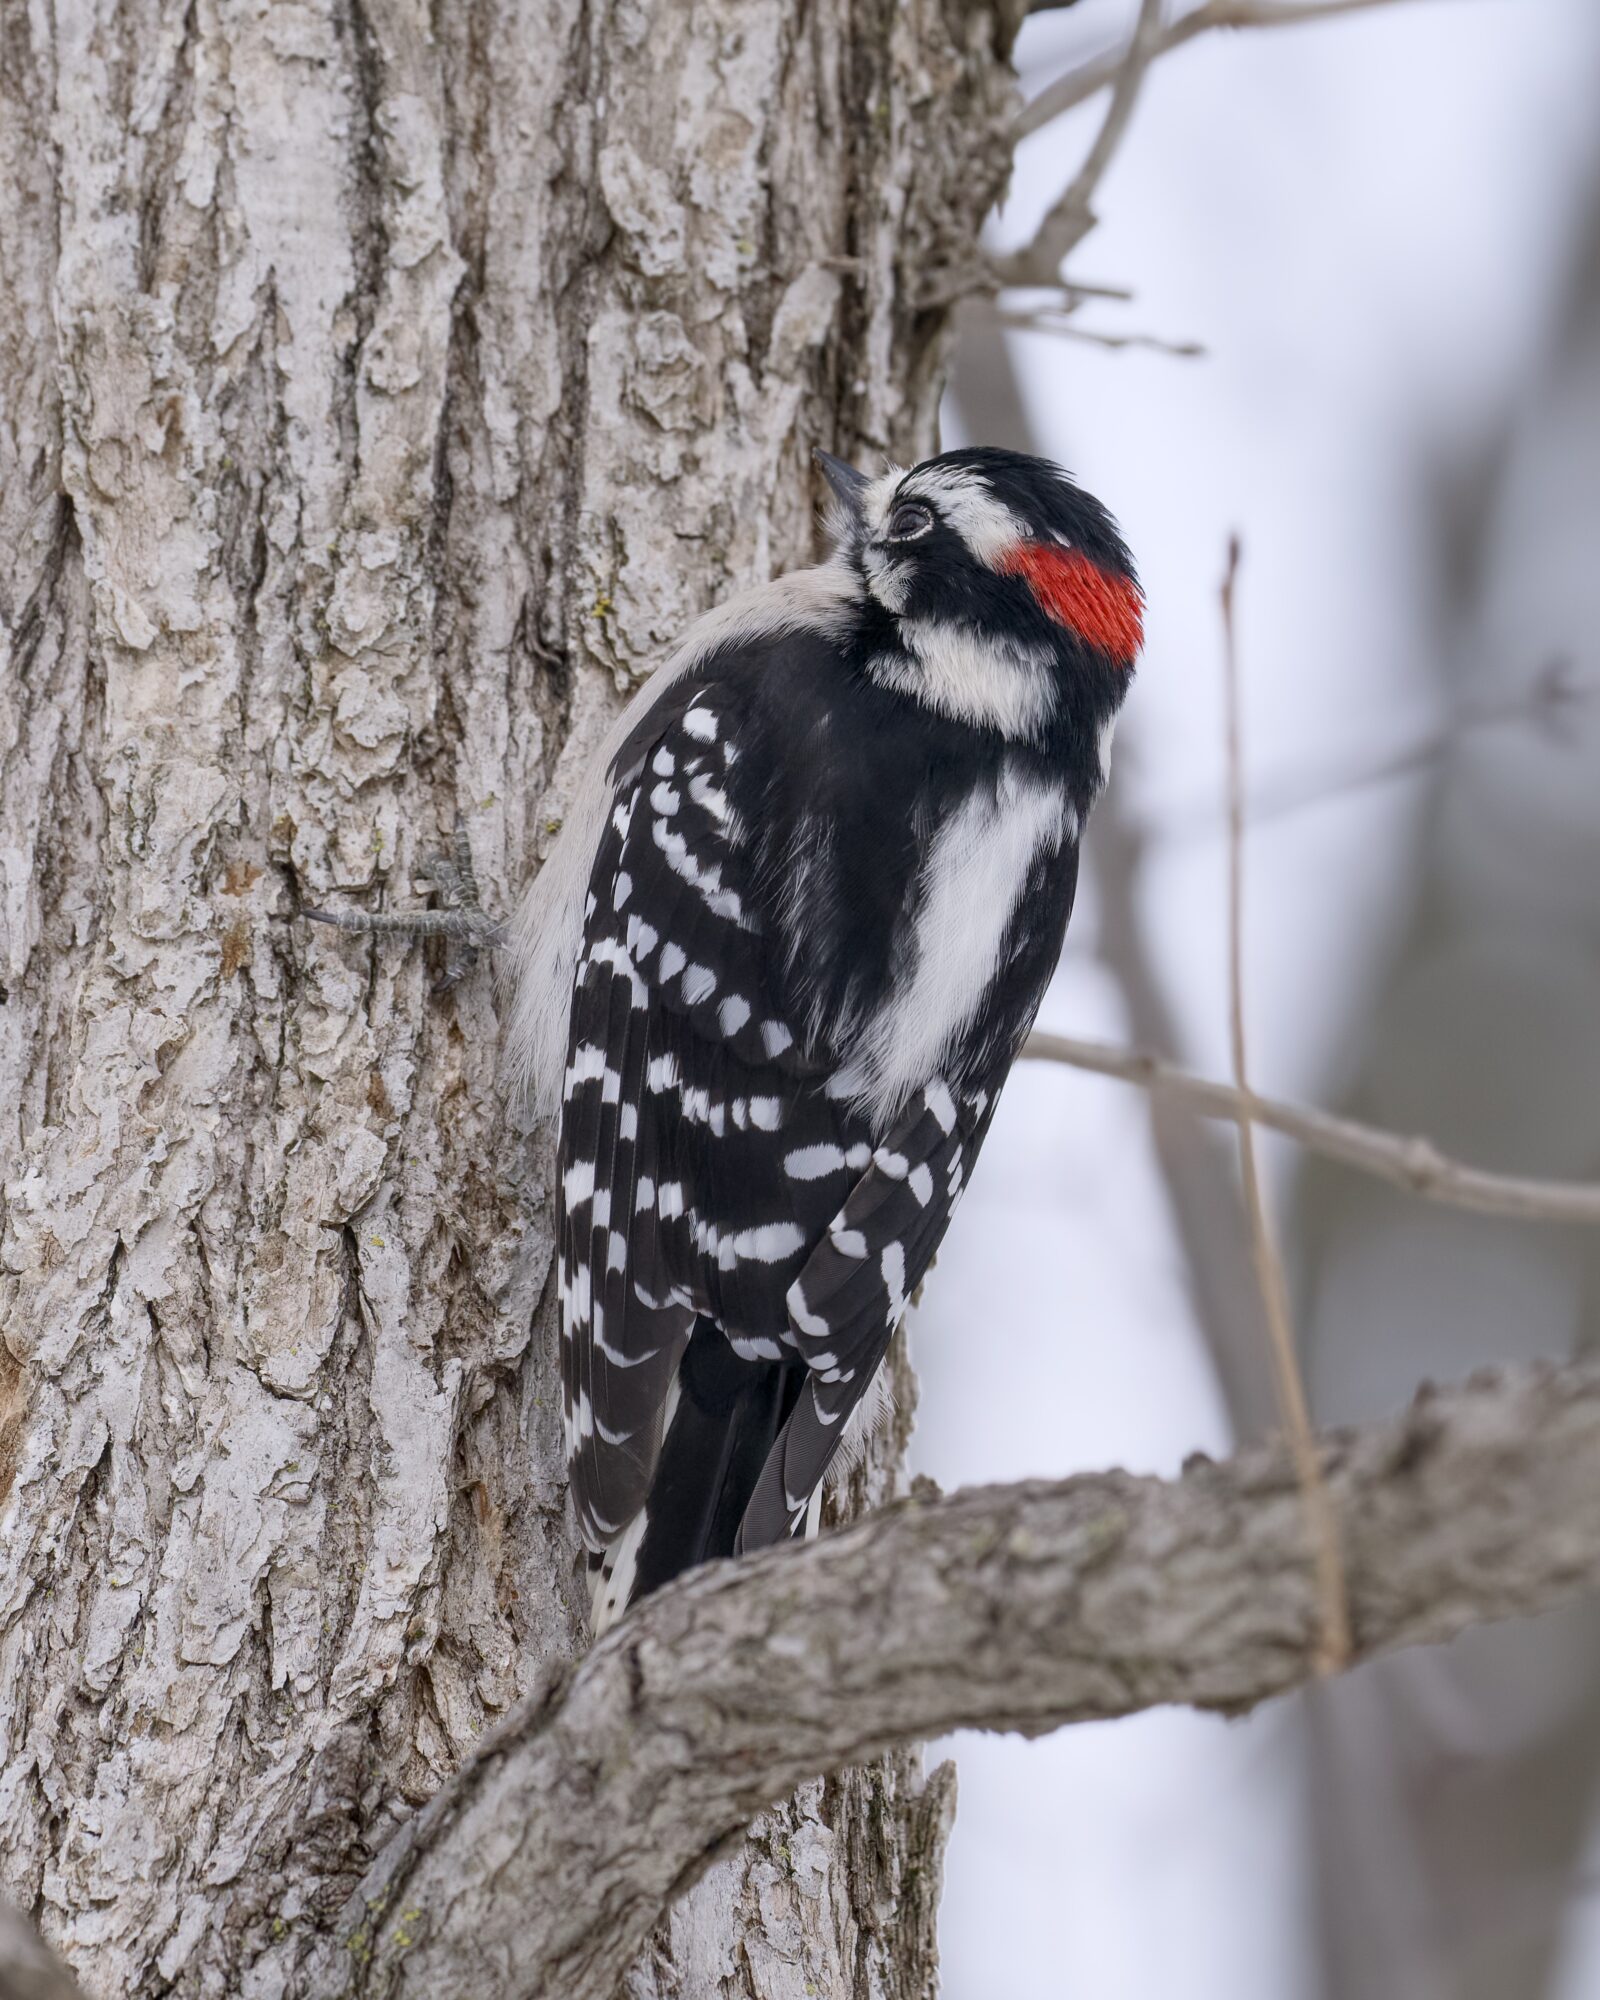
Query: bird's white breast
[{"x": 967, "y": 893}]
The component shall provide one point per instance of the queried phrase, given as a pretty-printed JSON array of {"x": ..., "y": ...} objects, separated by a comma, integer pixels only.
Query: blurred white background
[{"x": 1385, "y": 231}]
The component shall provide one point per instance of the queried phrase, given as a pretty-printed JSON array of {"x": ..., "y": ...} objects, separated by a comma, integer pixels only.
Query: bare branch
[
  {"x": 1051, "y": 319},
  {"x": 541, "y": 1867},
  {"x": 1334, "y": 1650},
  {"x": 1080, "y": 84},
  {"x": 1547, "y": 702},
  {"x": 1070, "y": 218},
  {"x": 1038, "y": 264},
  {"x": 461, "y": 920},
  {"x": 462, "y": 926},
  {"x": 1414, "y": 1164}
]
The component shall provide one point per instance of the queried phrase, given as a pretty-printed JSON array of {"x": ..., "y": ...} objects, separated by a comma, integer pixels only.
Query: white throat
[{"x": 988, "y": 681}]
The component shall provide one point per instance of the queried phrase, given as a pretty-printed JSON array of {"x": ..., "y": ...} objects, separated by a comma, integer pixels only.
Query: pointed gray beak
[{"x": 848, "y": 485}]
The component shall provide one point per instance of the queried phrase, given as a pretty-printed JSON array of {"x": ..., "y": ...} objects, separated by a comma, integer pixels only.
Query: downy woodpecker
[{"x": 789, "y": 944}]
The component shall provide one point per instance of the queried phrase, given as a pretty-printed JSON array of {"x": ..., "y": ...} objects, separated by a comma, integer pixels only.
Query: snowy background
[{"x": 1385, "y": 231}]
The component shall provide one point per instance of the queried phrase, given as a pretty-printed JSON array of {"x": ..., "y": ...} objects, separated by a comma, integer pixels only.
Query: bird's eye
[{"x": 907, "y": 522}]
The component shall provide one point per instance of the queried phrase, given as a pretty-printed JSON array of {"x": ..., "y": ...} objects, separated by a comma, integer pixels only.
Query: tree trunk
[{"x": 383, "y": 391}]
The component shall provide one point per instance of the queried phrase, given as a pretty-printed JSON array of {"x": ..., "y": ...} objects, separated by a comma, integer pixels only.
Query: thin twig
[
  {"x": 1414, "y": 1164},
  {"x": 1080, "y": 84},
  {"x": 1070, "y": 218},
  {"x": 1545, "y": 703},
  {"x": 1038, "y": 263},
  {"x": 1210, "y": 1228},
  {"x": 1334, "y": 1648},
  {"x": 1208, "y": 1222},
  {"x": 463, "y": 923},
  {"x": 1050, "y": 320}
]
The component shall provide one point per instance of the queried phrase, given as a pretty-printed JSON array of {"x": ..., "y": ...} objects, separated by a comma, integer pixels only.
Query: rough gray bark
[{"x": 383, "y": 389}]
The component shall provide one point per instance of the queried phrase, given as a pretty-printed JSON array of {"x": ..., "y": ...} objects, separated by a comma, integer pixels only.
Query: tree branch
[
  {"x": 1411, "y": 1163},
  {"x": 542, "y": 1866},
  {"x": 1549, "y": 702},
  {"x": 1080, "y": 84},
  {"x": 1070, "y": 217}
]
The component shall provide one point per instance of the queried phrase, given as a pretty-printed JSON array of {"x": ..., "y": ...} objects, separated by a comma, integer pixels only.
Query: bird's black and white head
[{"x": 1004, "y": 595}]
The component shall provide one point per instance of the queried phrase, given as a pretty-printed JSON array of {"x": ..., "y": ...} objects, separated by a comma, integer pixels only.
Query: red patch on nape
[{"x": 1103, "y": 609}]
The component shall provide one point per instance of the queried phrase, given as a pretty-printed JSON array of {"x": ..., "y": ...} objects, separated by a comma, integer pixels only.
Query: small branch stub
[{"x": 461, "y": 921}]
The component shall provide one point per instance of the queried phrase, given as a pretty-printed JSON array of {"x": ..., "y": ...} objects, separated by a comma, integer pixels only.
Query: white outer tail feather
[{"x": 611, "y": 1588}]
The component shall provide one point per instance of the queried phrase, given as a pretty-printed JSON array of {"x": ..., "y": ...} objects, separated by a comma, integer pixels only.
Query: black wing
[
  {"x": 713, "y": 1167},
  {"x": 701, "y": 1157},
  {"x": 851, "y": 1293}
]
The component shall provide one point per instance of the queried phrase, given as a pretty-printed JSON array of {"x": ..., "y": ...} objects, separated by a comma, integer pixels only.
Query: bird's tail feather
[{"x": 722, "y": 1417}]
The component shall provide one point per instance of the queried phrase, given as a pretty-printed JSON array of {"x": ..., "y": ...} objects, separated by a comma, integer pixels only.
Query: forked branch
[
  {"x": 1080, "y": 84},
  {"x": 541, "y": 1868}
]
